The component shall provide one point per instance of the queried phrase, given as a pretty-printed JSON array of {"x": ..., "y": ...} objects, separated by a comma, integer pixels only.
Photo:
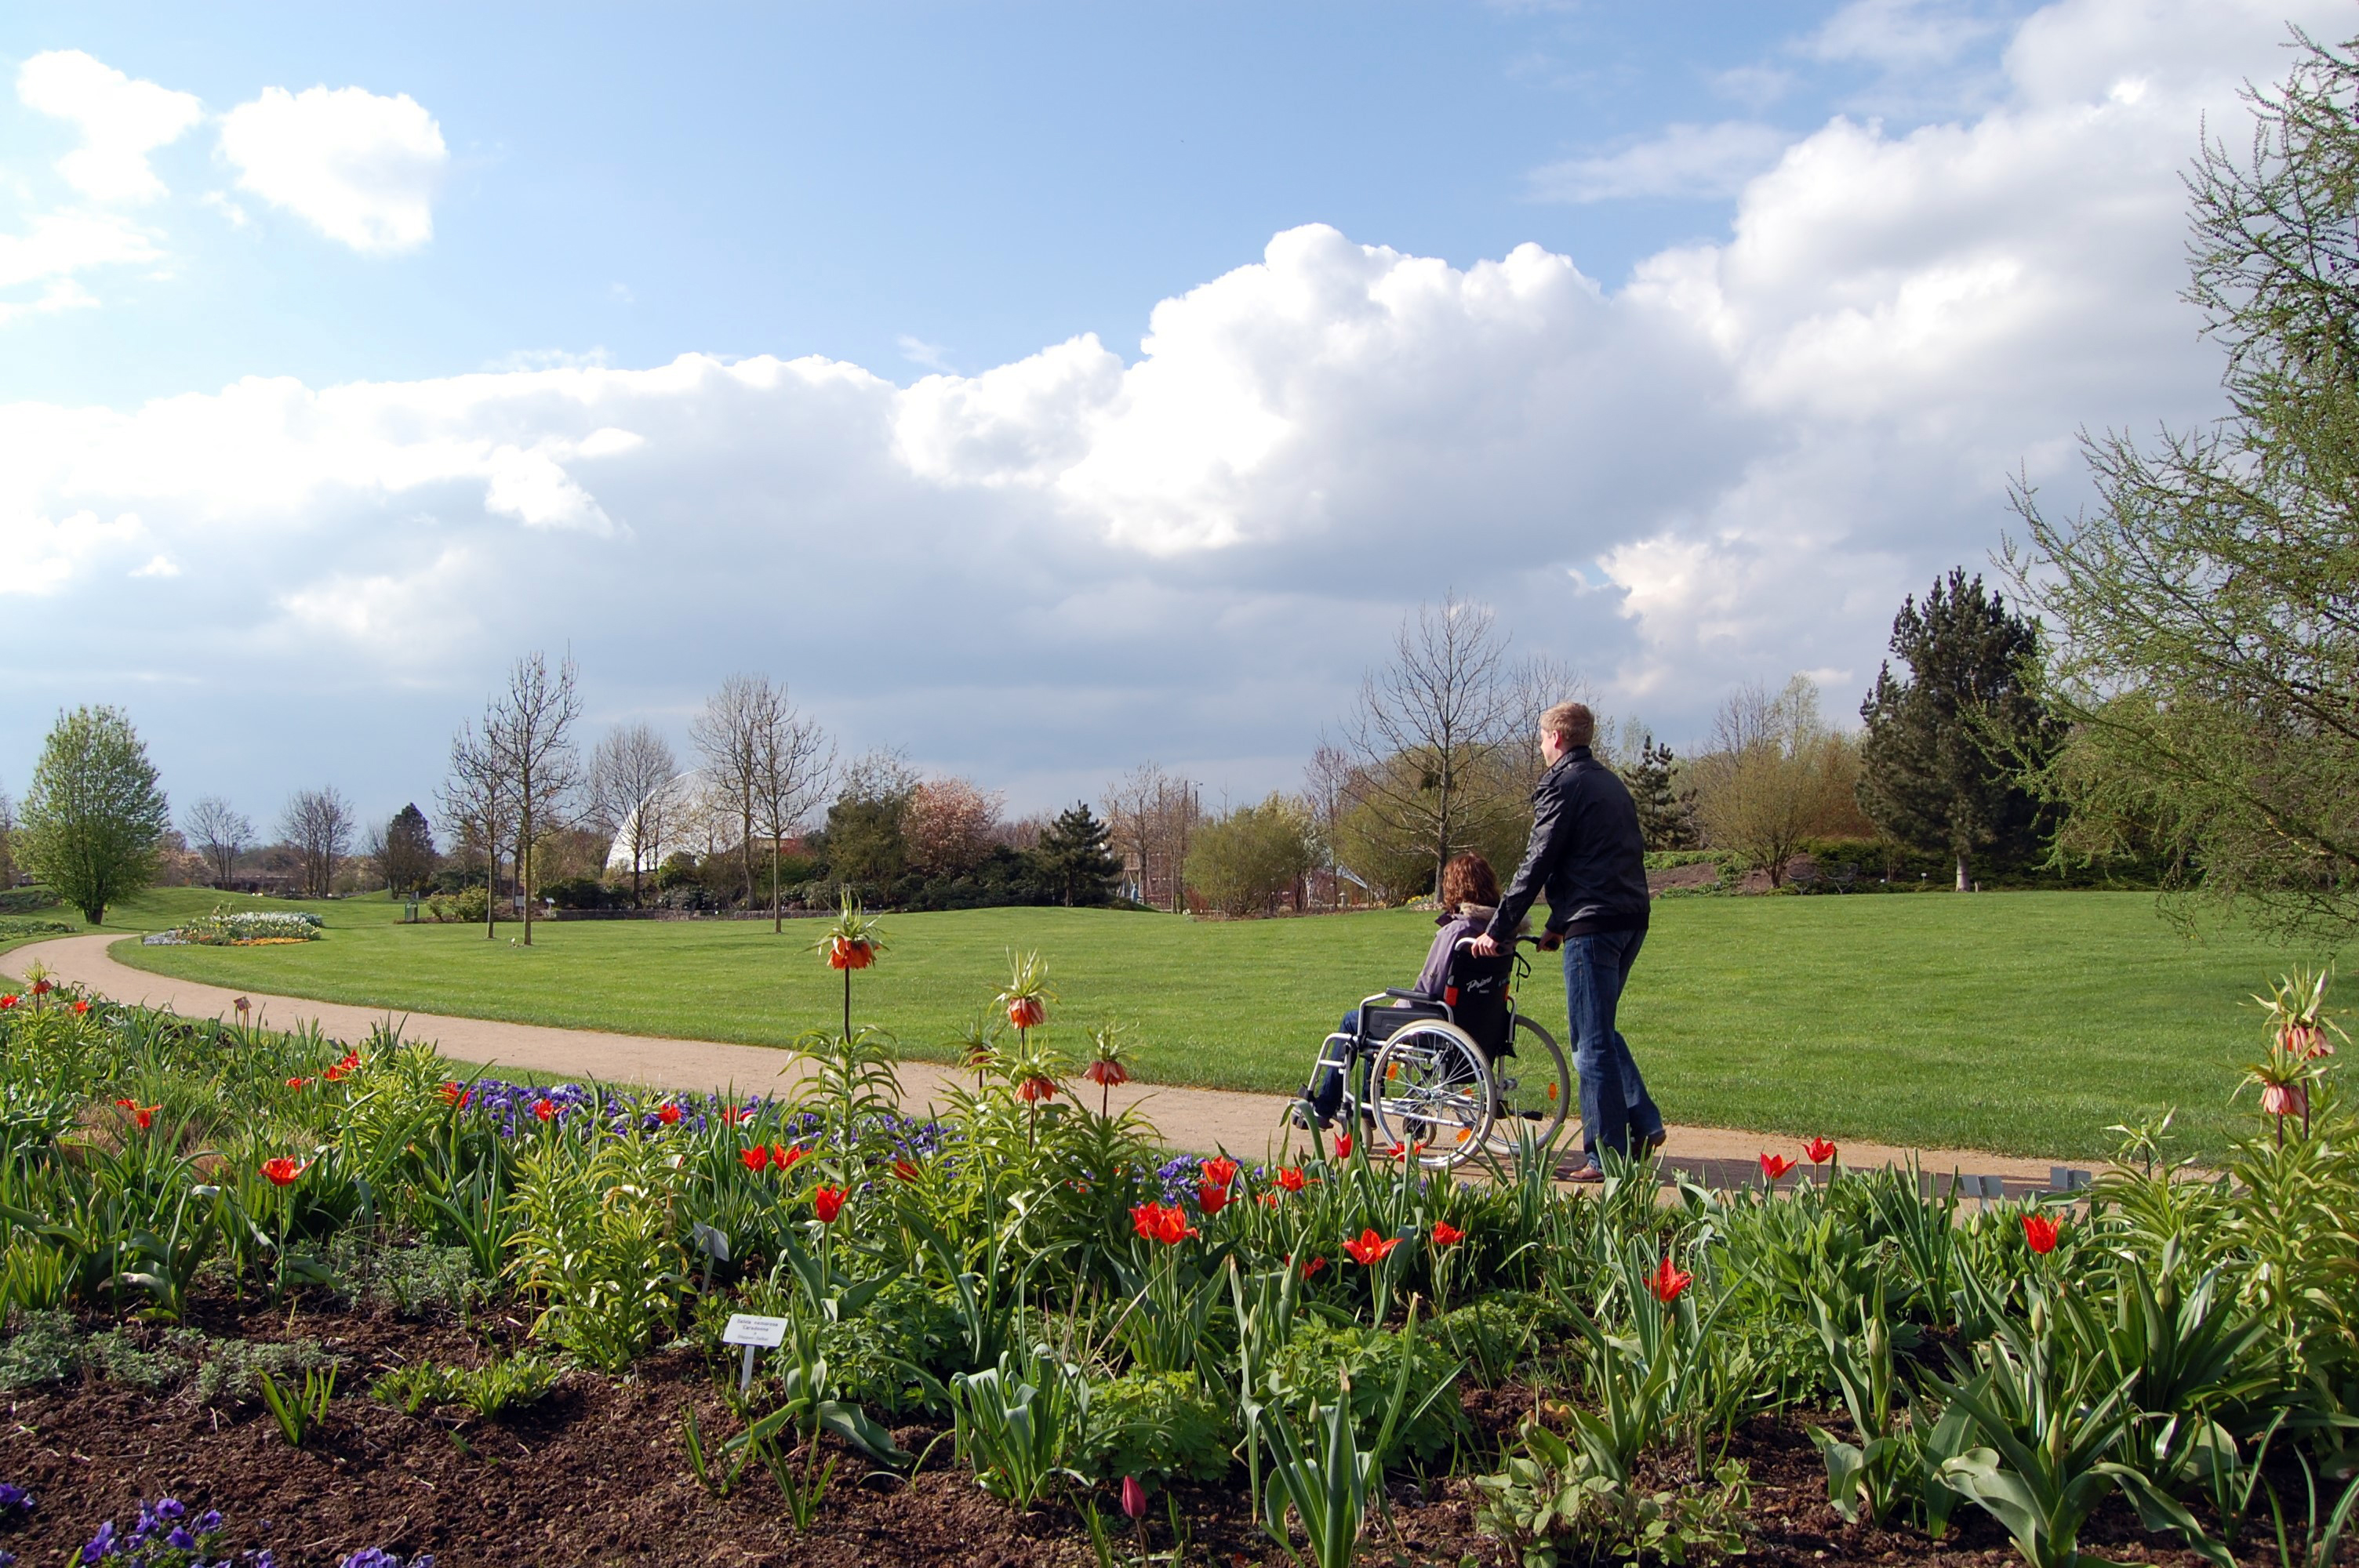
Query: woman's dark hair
[{"x": 1469, "y": 879}]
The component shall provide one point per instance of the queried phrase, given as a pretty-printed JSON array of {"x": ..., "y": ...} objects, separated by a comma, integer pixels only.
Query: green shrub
[
  {"x": 1313, "y": 1366},
  {"x": 13, "y": 928},
  {"x": 408, "y": 1281},
  {"x": 231, "y": 1372},
  {"x": 1500, "y": 1331},
  {"x": 116, "y": 1357},
  {"x": 27, "y": 900},
  {"x": 1157, "y": 1424},
  {"x": 42, "y": 1349}
]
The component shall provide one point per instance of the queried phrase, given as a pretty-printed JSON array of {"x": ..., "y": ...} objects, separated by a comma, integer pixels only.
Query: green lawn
[
  {"x": 157, "y": 909},
  {"x": 2018, "y": 1022}
]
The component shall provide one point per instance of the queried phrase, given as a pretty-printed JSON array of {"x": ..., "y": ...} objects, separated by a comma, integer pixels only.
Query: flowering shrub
[{"x": 244, "y": 929}]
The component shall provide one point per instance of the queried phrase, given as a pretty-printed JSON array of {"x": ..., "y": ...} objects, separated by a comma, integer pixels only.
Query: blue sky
[
  {"x": 872, "y": 183},
  {"x": 1041, "y": 388}
]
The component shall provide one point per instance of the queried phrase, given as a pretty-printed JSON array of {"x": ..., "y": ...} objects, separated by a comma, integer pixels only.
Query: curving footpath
[{"x": 1191, "y": 1118}]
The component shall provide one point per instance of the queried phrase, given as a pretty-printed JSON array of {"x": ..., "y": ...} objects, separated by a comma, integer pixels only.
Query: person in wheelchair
[{"x": 1454, "y": 984}]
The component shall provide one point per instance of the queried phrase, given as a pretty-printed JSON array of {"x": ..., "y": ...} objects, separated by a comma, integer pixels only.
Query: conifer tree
[
  {"x": 1077, "y": 858},
  {"x": 1937, "y": 770}
]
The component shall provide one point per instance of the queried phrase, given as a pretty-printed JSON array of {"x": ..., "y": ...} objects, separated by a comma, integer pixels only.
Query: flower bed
[
  {"x": 242, "y": 928},
  {"x": 357, "y": 1305}
]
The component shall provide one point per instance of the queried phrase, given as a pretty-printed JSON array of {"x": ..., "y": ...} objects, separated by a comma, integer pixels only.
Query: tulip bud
[{"x": 1134, "y": 1497}]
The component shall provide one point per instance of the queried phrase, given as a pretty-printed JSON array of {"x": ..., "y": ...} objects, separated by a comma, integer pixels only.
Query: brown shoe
[{"x": 1583, "y": 1174}]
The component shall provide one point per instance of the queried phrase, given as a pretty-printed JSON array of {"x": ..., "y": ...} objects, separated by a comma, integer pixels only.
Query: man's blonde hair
[{"x": 1571, "y": 722}]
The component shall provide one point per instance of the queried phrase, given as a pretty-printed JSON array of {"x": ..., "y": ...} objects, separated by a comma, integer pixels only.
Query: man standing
[{"x": 1587, "y": 854}]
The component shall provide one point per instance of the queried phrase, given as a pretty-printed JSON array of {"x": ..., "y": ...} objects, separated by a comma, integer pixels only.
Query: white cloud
[
  {"x": 121, "y": 121},
  {"x": 1729, "y": 469},
  {"x": 160, "y": 566},
  {"x": 359, "y": 168},
  {"x": 1684, "y": 160},
  {"x": 1902, "y": 35},
  {"x": 59, "y": 245},
  {"x": 918, "y": 352}
]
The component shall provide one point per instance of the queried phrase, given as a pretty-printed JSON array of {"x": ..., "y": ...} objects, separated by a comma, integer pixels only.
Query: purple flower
[
  {"x": 14, "y": 1497},
  {"x": 209, "y": 1521},
  {"x": 100, "y": 1545},
  {"x": 181, "y": 1540}
]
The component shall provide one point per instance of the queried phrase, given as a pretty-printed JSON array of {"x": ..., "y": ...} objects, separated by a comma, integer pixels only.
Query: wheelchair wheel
[
  {"x": 1534, "y": 1089},
  {"x": 1431, "y": 1087}
]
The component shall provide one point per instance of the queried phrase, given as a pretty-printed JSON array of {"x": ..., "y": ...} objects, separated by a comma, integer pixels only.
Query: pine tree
[
  {"x": 1077, "y": 857},
  {"x": 1937, "y": 771},
  {"x": 1666, "y": 815},
  {"x": 408, "y": 851}
]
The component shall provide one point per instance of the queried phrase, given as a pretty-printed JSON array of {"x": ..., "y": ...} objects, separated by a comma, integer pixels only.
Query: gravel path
[{"x": 1192, "y": 1118}]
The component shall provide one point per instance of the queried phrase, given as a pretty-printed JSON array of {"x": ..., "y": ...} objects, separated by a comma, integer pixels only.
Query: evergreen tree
[
  {"x": 94, "y": 818},
  {"x": 1077, "y": 858},
  {"x": 1936, "y": 770},
  {"x": 409, "y": 854},
  {"x": 1665, "y": 813}
]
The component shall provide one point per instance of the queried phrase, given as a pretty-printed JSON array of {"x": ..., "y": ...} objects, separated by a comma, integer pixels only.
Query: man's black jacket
[{"x": 1587, "y": 854}]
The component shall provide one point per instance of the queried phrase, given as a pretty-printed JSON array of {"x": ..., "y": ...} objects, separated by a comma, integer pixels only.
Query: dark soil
[{"x": 597, "y": 1472}]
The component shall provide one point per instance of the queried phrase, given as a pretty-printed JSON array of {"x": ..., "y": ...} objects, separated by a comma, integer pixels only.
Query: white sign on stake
[{"x": 753, "y": 1333}]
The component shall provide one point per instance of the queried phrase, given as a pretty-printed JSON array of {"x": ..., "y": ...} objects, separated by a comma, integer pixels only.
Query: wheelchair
[{"x": 1456, "y": 1078}]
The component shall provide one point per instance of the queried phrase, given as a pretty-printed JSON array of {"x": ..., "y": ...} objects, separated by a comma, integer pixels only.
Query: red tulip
[
  {"x": 1820, "y": 1150},
  {"x": 827, "y": 1203},
  {"x": 1668, "y": 1282},
  {"x": 1026, "y": 1012},
  {"x": 81, "y": 1006},
  {"x": 336, "y": 1072},
  {"x": 2040, "y": 1233},
  {"x": 1171, "y": 1228},
  {"x": 127, "y": 1104},
  {"x": 1134, "y": 1497},
  {"x": 1446, "y": 1234},
  {"x": 7, "y": 1001},
  {"x": 1343, "y": 1146},
  {"x": 784, "y": 1156},
  {"x": 350, "y": 1061},
  {"x": 1106, "y": 1073},
  {"x": 144, "y": 1115},
  {"x": 1290, "y": 1177},
  {"x": 731, "y": 1116},
  {"x": 1368, "y": 1249},
  {"x": 908, "y": 1173},
  {"x": 1035, "y": 1088},
  {"x": 545, "y": 1109},
  {"x": 1220, "y": 1169},
  {"x": 757, "y": 1157},
  {"x": 282, "y": 1170},
  {"x": 1774, "y": 1166},
  {"x": 1267, "y": 1200},
  {"x": 1312, "y": 1267},
  {"x": 297, "y": 1082},
  {"x": 453, "y": 1093},
  {"x": 668, "y": 1113},
  {"x": 1210, "y": 1199},
  {"x": 1405, "y": 1152}
]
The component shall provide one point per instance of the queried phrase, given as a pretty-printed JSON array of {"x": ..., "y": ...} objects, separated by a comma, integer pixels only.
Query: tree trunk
[
  {"x": 777, "y": 918},
  {"x": 1966, "y": 883},
  {"x": 491, "y": 894}
]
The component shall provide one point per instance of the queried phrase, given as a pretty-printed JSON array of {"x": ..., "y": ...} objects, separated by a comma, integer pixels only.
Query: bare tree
[
  {"x": 1327, "y": 793},
  {"x": 949, "y": 826},
  {"x": 475, "y": 802},
  {"x": 318, "y": 825},
  {"x": 1429, "y": 727},
  {"x": 8, "y": 841},
  {"x": 529, "y": 729},
  {"x": 726, "y": 732},
  {"x": 219, "y": 833},
  {"x": 1154, "y": 816},
  {"x": 1775, "y": 775},
  {"x": 791, "y": 763},
  {"x": 630, "y": 787}
]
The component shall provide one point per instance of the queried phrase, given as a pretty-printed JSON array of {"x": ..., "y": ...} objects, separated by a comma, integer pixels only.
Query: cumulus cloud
[
  {"x": 121, "y": 121},
  {"x": 1684, "y": 160},
  {"x": 359, "y": 168},
  {"x": 1729, "y": 469}
]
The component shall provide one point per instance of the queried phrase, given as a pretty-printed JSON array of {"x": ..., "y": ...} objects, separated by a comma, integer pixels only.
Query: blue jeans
[{"x": 1614, "y": 1099}]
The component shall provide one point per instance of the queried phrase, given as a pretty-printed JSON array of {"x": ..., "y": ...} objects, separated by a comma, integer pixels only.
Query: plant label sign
[
  {"x": 769, "y": 1333},
  {"x": 753, "y": 1333}
]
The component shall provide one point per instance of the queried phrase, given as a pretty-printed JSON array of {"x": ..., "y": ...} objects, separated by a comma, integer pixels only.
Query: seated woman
[{"x": 1470, "y": 892}]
